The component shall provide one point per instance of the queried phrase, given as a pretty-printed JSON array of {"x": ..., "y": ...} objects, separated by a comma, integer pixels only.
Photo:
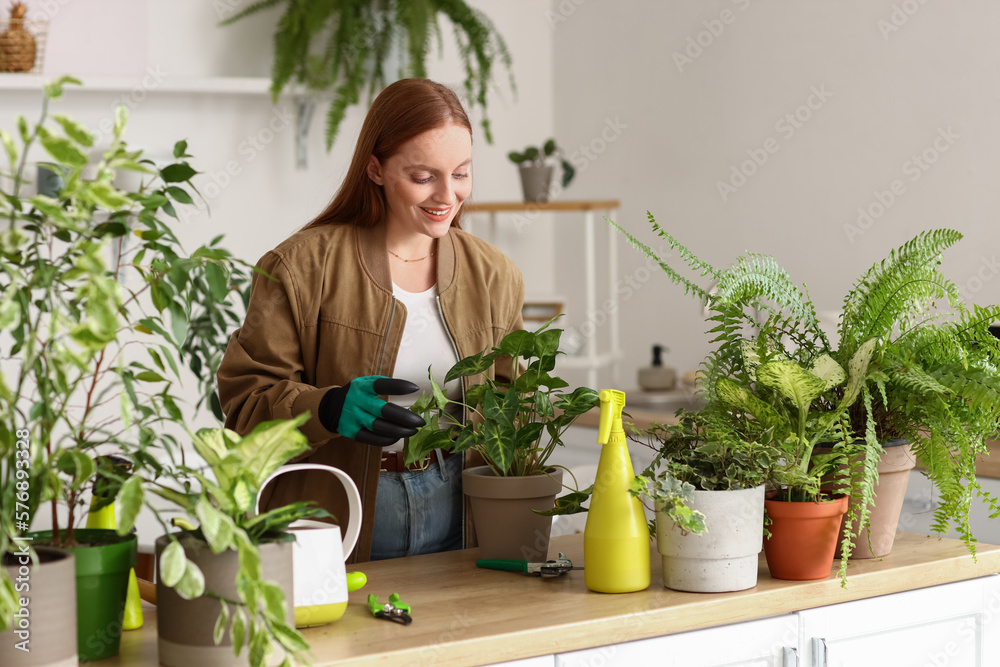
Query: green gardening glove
[{"x": 355, "y": 411}]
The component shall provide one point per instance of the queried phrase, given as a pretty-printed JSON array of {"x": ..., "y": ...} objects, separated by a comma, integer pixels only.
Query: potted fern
[
  {"x": 351, "y": 48},
  {"x": 889, "y": 346},
  {"x": 514, "y": 426}
]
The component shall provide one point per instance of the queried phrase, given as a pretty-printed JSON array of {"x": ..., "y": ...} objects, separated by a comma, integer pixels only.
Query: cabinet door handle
[
  {"x": 789, "y": 657},
  {"x": 819, "y": 652}
]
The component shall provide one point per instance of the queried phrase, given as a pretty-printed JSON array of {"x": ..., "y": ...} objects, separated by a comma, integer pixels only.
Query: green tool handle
[{"x": 503, "y": 564}]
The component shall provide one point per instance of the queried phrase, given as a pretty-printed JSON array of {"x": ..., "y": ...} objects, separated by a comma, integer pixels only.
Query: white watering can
[{"x": 320, "y": 580}]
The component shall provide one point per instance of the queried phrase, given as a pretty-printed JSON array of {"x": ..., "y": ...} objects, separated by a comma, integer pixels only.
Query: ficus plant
[
  {"x": 97, "y": 305},
  {"x": 515, "y": 425}
]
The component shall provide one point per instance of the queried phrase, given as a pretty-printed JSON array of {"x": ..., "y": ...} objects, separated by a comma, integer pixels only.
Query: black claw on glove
[{"x": 356, "y": 411}]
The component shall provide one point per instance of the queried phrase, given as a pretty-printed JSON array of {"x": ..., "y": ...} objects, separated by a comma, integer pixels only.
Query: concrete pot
[
  {"x": 185, "y": 627},
  {"x": 536, "y": 183},
  {"x": 502, "y": 508},
  {"x": 726, "y": 556},
  {"x": 50, "y": 627}
]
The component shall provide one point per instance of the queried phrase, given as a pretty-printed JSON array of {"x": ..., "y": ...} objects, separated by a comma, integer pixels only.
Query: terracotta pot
[
  {"x": 893, "y": 475},
  {"x": 185, "y": 627},
  {"x": 803, "y": 538},
  {"x": 725, "y": 557},
  {"x": 502, "y": 508},
  {"x": 50, "y": 624}
]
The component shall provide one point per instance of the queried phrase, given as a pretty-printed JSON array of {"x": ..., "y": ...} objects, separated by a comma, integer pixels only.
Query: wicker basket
[{"x": 39, "y": 29}]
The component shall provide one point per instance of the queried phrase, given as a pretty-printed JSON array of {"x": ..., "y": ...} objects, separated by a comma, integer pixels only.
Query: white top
[{"x": 425, "y": 342}]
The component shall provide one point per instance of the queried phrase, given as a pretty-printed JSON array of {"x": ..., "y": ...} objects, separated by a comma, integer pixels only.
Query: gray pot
[
  {"x": 50, "y": 589},
  {"x": 725, "y": 557},
  {"x": 501, "y": 508},
  {"x": 185, "y": 627},
  {"x": 536, "y": 183}
]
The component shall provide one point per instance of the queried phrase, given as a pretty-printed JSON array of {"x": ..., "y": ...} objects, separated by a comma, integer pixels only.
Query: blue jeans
[{"x": 419, "y": 512}]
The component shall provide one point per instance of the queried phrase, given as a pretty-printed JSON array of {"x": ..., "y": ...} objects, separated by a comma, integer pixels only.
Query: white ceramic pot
[
  {"x": 725, "y": 557},
  {"x": 318, "y": 573}
]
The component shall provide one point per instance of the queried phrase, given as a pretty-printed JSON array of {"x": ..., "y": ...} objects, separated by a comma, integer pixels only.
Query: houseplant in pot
[
  {"x": 228, "y": 582},
  {"x": 934, "y": 385},
  {"x": 94, "y": 327},
  {"x": 938, "y": 361},
  {"x": 536, "y": 166},
  {"x": 515, "y": 427},
  {"x": 707, "y": 489}
]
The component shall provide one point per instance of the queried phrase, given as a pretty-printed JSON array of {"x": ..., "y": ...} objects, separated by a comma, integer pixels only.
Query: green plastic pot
[{"x": 103, "y": 561}]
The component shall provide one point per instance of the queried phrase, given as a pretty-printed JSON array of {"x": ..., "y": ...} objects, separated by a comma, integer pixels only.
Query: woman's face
[{"x": 427, "y": 180}]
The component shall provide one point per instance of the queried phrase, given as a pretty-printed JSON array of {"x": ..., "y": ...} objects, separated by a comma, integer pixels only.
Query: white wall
[{"x": 894, "y": 83}]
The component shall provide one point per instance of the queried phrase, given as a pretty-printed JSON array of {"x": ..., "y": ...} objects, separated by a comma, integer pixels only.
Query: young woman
[{"x": 379, "y": 287}]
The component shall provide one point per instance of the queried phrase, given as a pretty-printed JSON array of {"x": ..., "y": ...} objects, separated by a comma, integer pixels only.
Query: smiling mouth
[{"x": 437, "y": 212}]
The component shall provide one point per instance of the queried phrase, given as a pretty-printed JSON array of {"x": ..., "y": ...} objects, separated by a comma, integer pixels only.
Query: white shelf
[{"x": 229, "y": 85}]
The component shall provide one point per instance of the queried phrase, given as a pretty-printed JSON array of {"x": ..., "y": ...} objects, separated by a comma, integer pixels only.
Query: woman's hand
[{"x": 355, "y": 411}]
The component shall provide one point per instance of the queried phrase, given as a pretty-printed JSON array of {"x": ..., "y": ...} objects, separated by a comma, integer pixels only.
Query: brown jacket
[{"x": 326, "y": 316}]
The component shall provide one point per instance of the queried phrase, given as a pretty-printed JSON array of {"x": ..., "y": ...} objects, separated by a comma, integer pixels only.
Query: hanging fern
[{"x": 344, "y": 45}]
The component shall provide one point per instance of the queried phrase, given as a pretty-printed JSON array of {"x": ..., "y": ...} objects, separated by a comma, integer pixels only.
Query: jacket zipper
[
  {"x": 385, "y": 343},
  {"x": 461, "y": 384}
]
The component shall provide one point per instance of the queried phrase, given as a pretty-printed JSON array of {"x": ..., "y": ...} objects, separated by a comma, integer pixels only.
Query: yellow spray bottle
[{"x": 616, "y": 539}]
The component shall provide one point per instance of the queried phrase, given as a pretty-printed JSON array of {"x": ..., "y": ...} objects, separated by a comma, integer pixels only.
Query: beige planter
[
  {"x": 502, "y": 510},
  {"x": 536, "y": 182},
  {"x": 185, "y": 627},
  {"x": 50, "y": 626},
  {"x": 725, "y": 557}
]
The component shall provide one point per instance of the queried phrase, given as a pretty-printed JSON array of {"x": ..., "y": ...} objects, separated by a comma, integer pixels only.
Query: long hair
[{"x": 403, "y": 110}]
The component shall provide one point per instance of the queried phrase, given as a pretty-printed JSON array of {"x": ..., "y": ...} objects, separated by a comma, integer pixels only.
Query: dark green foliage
[
  {"x": 514, "y": 425},
  {"x": 343, "y": 46}
]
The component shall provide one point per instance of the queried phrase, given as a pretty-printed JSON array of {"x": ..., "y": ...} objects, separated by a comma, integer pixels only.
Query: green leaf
[
  {"x": 213, "y": 525},
  {"x": 150, "y": 376},
  {"x": 792, "y": 381},
  {"x": 218, "y": 281},
  {"x": 129, "y": 501},
  {"x": 274, "y": 600},
  {"x": 827, "y": 369},
  {"x": 288, "y": 637},
  {"x": 179, "y": 172},
  {"x": 192, "y": 583},
  {"x": 172, "y": 564},
  {"x": 121, "y": 120},
  {"x": 109, "y": 197},
  {"x": 63, "y": 150},
  {"x": 74, "y": 130},
  {"x": 178, "y": 322},
  {"x": 179, "y": 194},
  {"x": 238, "y": 631},
  {"x": 221, "y": 623},
  {"x": 54, "y": 89},
  {"x": 473, "y": 365},
  {"x": 180, "y": 149},
  {"x": 9, "y": 147}
]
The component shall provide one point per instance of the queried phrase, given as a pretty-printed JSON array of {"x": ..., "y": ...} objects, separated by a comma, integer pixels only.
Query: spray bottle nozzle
[{"x": 612, "y": 404}]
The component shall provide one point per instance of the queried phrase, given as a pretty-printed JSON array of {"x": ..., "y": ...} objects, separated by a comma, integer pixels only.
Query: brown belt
[{"x": 393, "y": 462}]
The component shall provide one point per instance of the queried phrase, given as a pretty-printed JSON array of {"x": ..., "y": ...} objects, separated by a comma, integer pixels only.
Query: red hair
[{"x": 403, "y": 110}]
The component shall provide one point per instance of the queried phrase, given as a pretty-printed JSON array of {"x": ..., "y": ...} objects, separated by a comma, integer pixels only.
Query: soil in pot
[
  {"x": 44, "y": 633},
  {"x": 103, "y": 560},
  {"x": 803, "y": 538},
  {"x": 506, "y": 526},
  {"x": 725, "y": 557}
]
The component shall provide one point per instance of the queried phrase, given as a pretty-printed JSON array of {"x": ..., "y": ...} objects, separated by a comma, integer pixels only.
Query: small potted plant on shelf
[
  {"x": 97, "y": 301},
  {"x": 705, "y": 477},
  {"x": 536, "y": 166},
  {"x": 234, "y": 570},
  {"x": 515, "y": 427}
]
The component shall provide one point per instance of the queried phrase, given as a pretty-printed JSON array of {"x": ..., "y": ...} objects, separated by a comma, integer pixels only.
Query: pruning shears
[
  {"x": 555, "y": 567},
  {"x": 393, "y": 610}
]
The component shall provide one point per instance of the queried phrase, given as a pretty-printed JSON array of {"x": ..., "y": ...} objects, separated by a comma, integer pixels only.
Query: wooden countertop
[{"x": 468, "y": 616}]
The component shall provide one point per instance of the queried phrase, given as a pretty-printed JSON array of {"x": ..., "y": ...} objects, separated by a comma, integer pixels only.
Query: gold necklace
[{"x": 418, "y": 259}]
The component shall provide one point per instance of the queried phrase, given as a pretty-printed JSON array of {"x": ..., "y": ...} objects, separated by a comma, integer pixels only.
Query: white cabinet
[
  {"x": 953, "y": 625},
  {"x": 760, "y": 643}
]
